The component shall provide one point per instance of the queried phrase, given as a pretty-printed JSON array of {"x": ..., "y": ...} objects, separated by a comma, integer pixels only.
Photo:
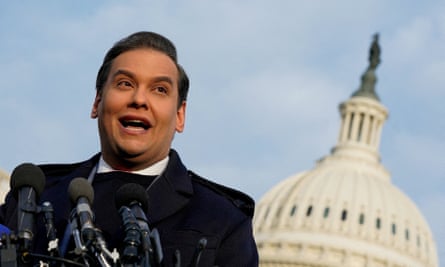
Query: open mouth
[{"x": 128, "y": 123}]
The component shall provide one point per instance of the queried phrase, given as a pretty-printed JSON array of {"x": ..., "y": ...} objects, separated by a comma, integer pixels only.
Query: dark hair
[{"x": 149, "y": 40}]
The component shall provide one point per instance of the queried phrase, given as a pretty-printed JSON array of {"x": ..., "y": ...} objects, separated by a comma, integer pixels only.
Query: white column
[
  {"x": 365, "y": 129},
  {"x": 355, "y": 124},
  {"x": 345, "y": 127},
  {"x": 373, "y": 132},
  {"x": 378, "y": 134}
]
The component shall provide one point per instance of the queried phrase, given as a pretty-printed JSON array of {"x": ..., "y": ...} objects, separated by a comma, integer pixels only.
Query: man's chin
[
  {"x": 131, "y": 161},
  {"x": 128, "y": 154}
]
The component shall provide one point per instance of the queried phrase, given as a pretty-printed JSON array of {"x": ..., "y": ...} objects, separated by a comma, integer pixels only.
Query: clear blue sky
[{"x": 266, "y": 81}]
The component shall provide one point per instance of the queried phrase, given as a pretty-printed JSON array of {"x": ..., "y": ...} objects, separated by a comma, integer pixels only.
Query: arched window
[
  {"x": 361, "y": 218},
  {"x": 378, "y": 223},
  {"x": 326, "y": 212},
  {"x": 293, "y": 210},
  {"x": 344, "y": 215},
  {"x": 309, "y": 211},
  {"x": 393, "y": 228}
]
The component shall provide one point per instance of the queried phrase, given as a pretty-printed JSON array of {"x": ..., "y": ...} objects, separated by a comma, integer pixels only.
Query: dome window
[
  {"x": 309, "y": 211},
  {"x": 326, "y": 212},
  {"x": 407, "y": 234},
  {"x": 344, "y": 215},
  {"x": 361, "y": 218},
  {"x": 378, "y": 223},
  {"x": 293, "y": 210},
  {"x": 393, "y": 228}
]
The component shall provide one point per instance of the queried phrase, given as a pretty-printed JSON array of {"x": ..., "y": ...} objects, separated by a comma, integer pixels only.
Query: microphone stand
[
  {"x": 95, "y": 245},
  {"x": 80, "y": 249},
  {"x": 101, "y": 251},
  {"x": 48, "y": 215}
]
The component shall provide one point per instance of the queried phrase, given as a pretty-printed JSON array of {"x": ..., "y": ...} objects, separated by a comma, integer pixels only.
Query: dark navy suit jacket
[{"x": 183, "y": 207}]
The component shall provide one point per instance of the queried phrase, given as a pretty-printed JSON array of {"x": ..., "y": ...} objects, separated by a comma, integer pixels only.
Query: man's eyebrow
[
  {"x": 123, "y": 72},
  {"x": 163, "y": 79},
  {"x": 131, "y": 75}
]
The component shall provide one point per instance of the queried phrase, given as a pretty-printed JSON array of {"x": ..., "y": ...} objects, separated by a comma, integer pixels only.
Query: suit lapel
[{"x": 170, "y": 192}]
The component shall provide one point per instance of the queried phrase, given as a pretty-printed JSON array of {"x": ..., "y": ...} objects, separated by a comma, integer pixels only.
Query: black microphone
[
  {"x": 133, "y": 230},
  {"x": 81, "y": 194},
  {"x": 135, "y": 197},
  {"x": 27, "y": 183},
  {"x": 132, "y": 240}
]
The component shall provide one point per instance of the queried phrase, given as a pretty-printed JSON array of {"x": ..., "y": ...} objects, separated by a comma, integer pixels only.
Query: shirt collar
[{"x": 155, "y": 169}]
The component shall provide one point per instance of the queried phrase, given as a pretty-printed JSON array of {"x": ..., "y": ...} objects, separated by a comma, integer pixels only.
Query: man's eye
[
  {"x": 124, "y": 84},
  {"x": 161, "y": 89}
]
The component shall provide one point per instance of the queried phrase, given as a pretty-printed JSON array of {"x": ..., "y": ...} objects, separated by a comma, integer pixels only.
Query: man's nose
[{"x": 140, "y": 97}]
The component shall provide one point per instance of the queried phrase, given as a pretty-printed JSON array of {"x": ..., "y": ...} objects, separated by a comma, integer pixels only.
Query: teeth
[{"x": 134, "y": 123}]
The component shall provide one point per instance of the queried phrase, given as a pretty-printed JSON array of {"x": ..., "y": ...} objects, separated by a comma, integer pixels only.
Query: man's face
[{"x": 137, "y": 110}]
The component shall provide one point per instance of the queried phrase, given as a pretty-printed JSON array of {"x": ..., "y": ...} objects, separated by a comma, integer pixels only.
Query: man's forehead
[{"x": 150, "y": 58}]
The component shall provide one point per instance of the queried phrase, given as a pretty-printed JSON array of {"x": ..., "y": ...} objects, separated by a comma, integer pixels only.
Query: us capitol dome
[
  {"x": 4, "y": 185},
  {"x": 345, "y": 211}
]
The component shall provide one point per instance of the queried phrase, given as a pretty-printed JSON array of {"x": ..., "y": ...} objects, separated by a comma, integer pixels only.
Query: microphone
[
  {"x": 81, "y": 194},
  {"x": 135, "y": 197},
  {"x": 27, "y": 183},
  {"x": 134, "y": 229},
  {"x": 132, "y": 239}
]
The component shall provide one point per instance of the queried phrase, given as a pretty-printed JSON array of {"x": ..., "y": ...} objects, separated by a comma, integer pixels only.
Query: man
[{"x": 140, "y": 104}]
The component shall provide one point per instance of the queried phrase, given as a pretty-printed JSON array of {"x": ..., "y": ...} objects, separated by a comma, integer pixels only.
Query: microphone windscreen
[
  {"x": 129, "y": 193},
  {"x": 80, "y": 187},
  {"x": 27, "y": 174}
]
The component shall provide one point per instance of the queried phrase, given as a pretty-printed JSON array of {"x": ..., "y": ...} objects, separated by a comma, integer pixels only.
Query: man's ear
[
  {"x": 180, "y": 117},
  {"x": 94, "y": 110}
]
